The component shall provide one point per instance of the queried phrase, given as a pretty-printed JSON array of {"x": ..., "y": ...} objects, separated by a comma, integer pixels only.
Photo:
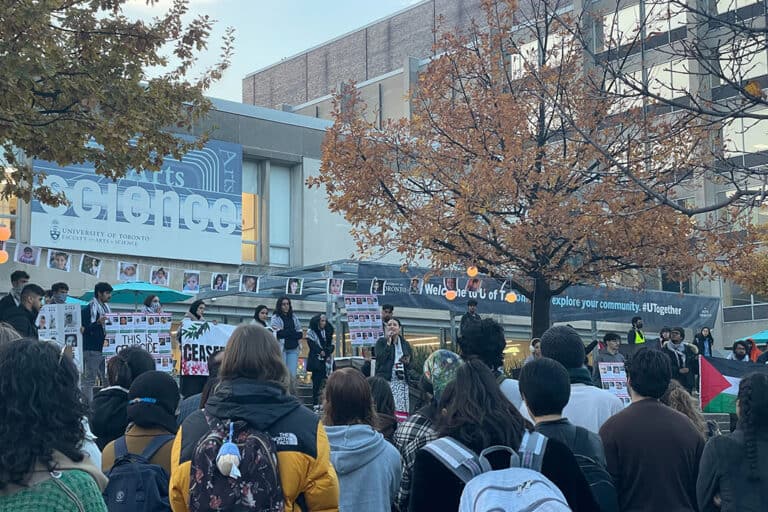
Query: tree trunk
[{"x": 540, "y": 308}]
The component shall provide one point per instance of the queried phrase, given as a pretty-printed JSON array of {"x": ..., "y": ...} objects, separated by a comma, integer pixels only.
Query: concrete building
[{"x": 385, "y": 57}]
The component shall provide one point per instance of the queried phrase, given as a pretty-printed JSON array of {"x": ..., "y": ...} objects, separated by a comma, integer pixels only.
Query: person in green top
[{"x": 42, "y": 467}]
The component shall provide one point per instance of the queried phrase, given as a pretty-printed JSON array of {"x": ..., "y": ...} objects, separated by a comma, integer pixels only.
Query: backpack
[
  {"x": 519, "y": 488},
  {"x": 598, "y": 478},
  {"x": 135, "y": 484},
  {"x": 258, "y": 487}
]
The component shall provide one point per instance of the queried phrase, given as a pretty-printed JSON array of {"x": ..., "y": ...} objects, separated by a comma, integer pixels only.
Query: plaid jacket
[{"x": 410, "y": 437}]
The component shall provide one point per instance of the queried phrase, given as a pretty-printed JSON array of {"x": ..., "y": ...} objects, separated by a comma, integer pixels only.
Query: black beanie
[
  {"x": 152, "y": 401},
  {"x": 563, "y": 344}
]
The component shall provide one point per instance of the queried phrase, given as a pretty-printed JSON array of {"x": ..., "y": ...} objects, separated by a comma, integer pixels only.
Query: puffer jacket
[
  {"x": 303, "y": 452},
  {"x": 109, "y": 418}
]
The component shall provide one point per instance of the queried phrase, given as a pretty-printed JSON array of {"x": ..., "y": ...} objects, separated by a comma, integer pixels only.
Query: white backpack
[{"x": 519, "y": 488}]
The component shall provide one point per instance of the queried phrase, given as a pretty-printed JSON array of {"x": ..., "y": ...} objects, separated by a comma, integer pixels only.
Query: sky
[{"x": 267, "y": 31}]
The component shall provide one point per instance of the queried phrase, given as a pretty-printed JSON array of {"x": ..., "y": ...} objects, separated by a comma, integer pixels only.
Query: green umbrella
[{"x": 136, "y": 292}]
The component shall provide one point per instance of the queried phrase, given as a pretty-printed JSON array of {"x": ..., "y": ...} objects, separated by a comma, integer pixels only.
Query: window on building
[
  {"x": 731, "y": 5},
  {"x": 251, "y": 239},
  {"x": 670, "y": 79},
  {"x": 744, "y": 58},
  {"x": 279, "y": 215},
  {"x": 670, "y": 285},
  {"x": 621, "y": 27},
  {"x": 746, "y": 136}
]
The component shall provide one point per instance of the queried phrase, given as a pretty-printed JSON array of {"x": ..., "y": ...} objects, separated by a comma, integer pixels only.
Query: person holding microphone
[{"x": 393, "y": 359}]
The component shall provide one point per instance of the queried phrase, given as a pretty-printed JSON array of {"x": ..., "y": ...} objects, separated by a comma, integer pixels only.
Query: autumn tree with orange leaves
[{"x": 490, "y": 169}]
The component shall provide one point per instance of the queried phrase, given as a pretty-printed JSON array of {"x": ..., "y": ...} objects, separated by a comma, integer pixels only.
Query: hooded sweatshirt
[
  {"x": 110, "y": 415},
  {"x": 368, "y": 468},
  {"x": 302, "y": 445}
]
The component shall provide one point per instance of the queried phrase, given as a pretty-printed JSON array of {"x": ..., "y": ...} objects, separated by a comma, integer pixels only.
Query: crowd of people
[{"x": 246, "y": 442}]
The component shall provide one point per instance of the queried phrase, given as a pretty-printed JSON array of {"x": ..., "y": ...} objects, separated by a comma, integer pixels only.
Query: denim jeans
[
  {"x": 291, "y": 360},
  {"x": 93, "y": 368}
]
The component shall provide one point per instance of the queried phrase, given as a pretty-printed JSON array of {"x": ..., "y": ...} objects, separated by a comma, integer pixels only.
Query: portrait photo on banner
[
  {"x": 191, "y": 281},
  {"x": 474, "y": 284},
  {"x": 294, "y": 285},
  {"x": 27, "y": 254},
  {"x": 249, "y": 283},
  {"x": 415, "y": 287},
  {"x": 451, "y": 283},
  {"x": 377, "y": 286},
  {"x": 335, "y": 286},
  {"x": 59, "y": 260},
  {"x": 160, "y": 276},
  {"x": 127, "y": 271},
  {"x": 220, "y": 282},
  {"x": 90, "y": 265}
]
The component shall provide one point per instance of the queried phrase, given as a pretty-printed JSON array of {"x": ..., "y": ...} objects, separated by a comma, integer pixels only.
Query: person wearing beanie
[
  {"x": 439, "y": 370},
  {"x": 588, "y": 406},
  {"x": 152, "y": 402}
]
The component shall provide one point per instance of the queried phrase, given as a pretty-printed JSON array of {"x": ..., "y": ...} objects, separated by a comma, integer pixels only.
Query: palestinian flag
[{"x": 719, "y": 382}]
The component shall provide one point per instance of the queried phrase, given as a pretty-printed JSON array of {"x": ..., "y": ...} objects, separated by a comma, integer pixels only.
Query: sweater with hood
[
  {"x": 368, "y": 468},
  {"x": 109, "y": 418},
  {"x": 303, "y": 453}
]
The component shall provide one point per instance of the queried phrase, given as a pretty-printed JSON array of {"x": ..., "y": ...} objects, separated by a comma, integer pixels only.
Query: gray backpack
[{"x": 519, "y": 488}]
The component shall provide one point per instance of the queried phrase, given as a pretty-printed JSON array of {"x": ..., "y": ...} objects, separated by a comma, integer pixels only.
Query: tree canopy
[{"x": 77, "y": 89}]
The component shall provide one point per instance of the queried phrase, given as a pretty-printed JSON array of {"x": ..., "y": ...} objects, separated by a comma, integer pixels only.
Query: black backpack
[
  {"x": 598, "y": 478},
  {"x": 135, "y": 484}
]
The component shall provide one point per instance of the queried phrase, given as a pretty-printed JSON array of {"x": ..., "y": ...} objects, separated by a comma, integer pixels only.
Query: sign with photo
[
  {"x": 27, "y": 254},
  {"x": 148, "y": 331},
  {"x": 61, "y": 324},
  {"x": 614, "y": 379},
  {"x": 198, "y": 342},
  {"x": 364, "y": 319},
  {"x": 191, "y": 203}
]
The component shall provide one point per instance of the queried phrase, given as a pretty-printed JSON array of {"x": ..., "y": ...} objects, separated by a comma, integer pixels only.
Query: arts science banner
[
  {"x": 190, "y": 204},
  {"x": 408, "y": 289}
]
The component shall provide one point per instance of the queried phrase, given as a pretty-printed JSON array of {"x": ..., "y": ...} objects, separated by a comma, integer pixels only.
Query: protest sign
[
  {"x": 148, "y": 331},
  {"x": 61, "y": 323},
  {"x": 198, "y": 342},
  {"x": 364, "y": 319},
  {"x": 614, "y": 379}
]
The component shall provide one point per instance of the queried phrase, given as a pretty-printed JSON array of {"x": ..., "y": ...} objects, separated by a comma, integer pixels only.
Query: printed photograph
[
  {"x": 90, "y": 265},
  {"x": 335, "y": 286},
  {"x": 127, "y": 271},
  {"x": 377, "y": 286},
  {"x": 249, "y": 283},
  {"x": 450, "y": 283},
  {"x": 294, "y": 286},
  {"x": 27, "y": 254},
  {"x": 474, "y": 284},
  {"x": 191, "y": 281},
  {"x": 220, "y": 282},
  {"x": 160, "y": 276},
  {"x": 415, "y": 288},
  {"x": 59, "y": 260}
]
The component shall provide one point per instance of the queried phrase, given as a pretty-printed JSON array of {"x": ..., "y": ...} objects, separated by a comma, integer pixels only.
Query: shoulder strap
[
  {"x": 462, "y": 461},
  {"x": 121, "y": 448},
  {"x": 531, "y": 450},
  {"x": 155, "y": 445}
]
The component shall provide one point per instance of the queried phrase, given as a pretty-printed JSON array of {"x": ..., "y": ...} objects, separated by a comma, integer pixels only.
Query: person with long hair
[
  {"x": 704, "y": 342},
  {"x": 253, "y": 387},
  {"x": 152, "y": 305},
  {"x": 320, "y": 358},
  {"x": 384, "y": 403},
  {"x": 734, "y": 467},
  {"x": 680, "y": 400},
  {"x": 288, "y": 331},
  {"x": 192, "y": 384},
  {"x": 41, "y": 432},
  {"x": 474, "y": 412},
  {"x": 261, "y": 316},
  {"x": 368, "y": 466},
  {"x": 393, "y": 362}
]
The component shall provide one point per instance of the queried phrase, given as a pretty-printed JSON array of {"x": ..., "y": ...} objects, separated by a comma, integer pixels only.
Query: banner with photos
[
  {"x": 364, "y": 319},
  {"x": 61, "y": 324},
  {"x": 148, "y": 331},
  {"x": 198, "y": 341},
  {"x": 614, "y": 379}
]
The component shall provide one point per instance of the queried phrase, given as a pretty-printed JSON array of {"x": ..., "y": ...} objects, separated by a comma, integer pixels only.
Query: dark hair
[
  {"x": 484, "y": 340},
  {"x": 18, "y": 274},
  {"x": 678, "y": 330},
  {"x": 649, "y": 372},
  {"x": 314, "y": 325},
  {"x": 390, "y": 307},
  {"x": 347, "y": 399},
  {"x": 256, "y": 313},
  {"x": 41, "y": 408},
  {"x": 279, "y": 310},
  {"x": 149, "y": 299},
  {"x": 476, "y": 412},
  {"x": 665, "y": 329},
  {"x": 635, "y": 319},
  {"x": 471, "y": 302},
  {"x": 611, "y": 336},
  {"x": 753, "y": 417},
  {"x": 208, "y": 388},
  {"x": 742, "y": 343},
  {"x": 101, "y": 288},
  {"x": 217, "y": 278},
  {"x": 563, "y": 344},
  {"x": 381, "y": 391},
  {"x": 214, "y": 363},
  {"x": 119, "y": 373},
  {"x": 32, "y": 289},
  {"x": 138, "y": 360},
  {"x": 57, "y": 287},
  {"x": 535, "y": 341},
  {"x": 545, "y": 386},
  {"x": 193, "y": 308}
]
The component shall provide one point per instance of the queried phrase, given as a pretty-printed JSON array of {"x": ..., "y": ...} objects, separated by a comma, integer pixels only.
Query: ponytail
[{"x": 119, "y": 372}]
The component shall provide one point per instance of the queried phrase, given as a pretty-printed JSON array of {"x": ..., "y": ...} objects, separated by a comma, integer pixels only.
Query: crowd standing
[{"x": 240, "y": 440}]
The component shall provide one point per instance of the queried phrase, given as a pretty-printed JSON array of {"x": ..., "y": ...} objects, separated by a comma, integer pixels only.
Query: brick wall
[{"x": 359, "y": 56}]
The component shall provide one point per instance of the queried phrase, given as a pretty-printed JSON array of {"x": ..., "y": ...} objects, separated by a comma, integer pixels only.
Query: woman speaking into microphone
[{"x": 393, "y": 359}]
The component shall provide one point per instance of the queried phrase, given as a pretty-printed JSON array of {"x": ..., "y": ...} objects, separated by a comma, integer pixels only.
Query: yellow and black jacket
[{"x": 303, "y": 452}]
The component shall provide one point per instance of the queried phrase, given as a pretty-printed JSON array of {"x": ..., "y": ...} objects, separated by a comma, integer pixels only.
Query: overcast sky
[{"x": 267, "y": 31}]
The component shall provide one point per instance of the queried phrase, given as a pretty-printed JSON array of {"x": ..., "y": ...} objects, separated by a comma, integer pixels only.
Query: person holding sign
[
  {"x": 393, "y": 360},
  {"x": 611, "y": 354}
]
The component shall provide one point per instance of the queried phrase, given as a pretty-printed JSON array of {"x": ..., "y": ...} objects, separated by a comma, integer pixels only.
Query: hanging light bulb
[
  {"x": 3, "y": 257},
  {"x": 5, "y": 233},
  {"x": 472, "y": 271},
  {"x": 450, "y": 294},
  {"x": 510, "y": 297}
]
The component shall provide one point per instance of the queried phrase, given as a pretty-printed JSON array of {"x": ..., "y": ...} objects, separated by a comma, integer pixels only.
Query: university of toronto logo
[{"x": 55, "y": 230}]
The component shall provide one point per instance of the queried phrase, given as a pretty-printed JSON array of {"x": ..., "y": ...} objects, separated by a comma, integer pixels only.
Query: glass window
[
  {"x": 734, "y": 295},
  {"x": 730, "y": 5},
  {"x": 670, "y": 79},
  {"x": 744, "y": 58},
  {"x": 746, "y": 136},
  {"x": 621, "y": 27},
  {"x": 251, "y": 208},
  {"x": 279, "y": 215}
]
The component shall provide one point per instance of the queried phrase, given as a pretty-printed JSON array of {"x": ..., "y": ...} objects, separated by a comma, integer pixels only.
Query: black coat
[
  {"x": 110, "y": 415},
  {"x": 7, "y": 304},
  {"x": 317, "y": 345},
  {"x": 687, "y": 380},
  {"x": 385, "y": 358},
  {"x": 23, "y": 320},
  {"x": 580, "y": 440}
]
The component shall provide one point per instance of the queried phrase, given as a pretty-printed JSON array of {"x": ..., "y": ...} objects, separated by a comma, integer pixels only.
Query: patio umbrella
[
  {"x": 73, "y": 300},
  {"x": 758, "y": 337},
  {"x": 136, "y": 292}
]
